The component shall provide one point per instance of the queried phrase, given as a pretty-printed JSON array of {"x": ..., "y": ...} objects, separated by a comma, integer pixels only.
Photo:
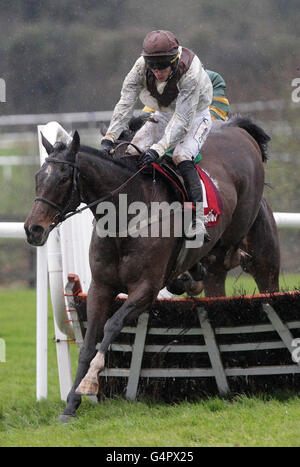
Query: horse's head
[{"x": 56, "y": 190}]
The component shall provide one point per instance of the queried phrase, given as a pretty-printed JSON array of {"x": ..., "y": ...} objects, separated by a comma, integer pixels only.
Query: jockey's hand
[
  {"x": 148, "y": 156},
  {"x": 106, "y": 145}
]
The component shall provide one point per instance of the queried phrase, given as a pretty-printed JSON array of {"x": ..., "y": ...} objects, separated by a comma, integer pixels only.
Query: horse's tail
[{"x": 255, "y": 131}]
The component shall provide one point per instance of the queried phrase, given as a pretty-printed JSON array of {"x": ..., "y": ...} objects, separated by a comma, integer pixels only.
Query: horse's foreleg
[
  {"x": 98, "y": 302},
  {"x": 138, "y": 301}
]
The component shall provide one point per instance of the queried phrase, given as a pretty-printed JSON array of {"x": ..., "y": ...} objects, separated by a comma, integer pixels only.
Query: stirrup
[{"x": 197, "y": 226}]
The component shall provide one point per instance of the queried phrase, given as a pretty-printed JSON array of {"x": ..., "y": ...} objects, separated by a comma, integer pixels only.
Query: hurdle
[
  {"x": 222, "y": 339},
  {"x": 69, "y": 279}
]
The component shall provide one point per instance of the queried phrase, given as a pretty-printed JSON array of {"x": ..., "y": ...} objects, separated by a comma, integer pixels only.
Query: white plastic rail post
[
  {"x": 53, "y": 132},
  {"x": 42, "y": 324}
]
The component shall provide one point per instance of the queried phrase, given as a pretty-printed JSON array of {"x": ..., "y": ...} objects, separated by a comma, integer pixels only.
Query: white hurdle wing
[{"x": 67, "y": 250}]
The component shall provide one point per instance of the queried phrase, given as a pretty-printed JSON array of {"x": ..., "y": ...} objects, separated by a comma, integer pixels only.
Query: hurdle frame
[{"x": 217, "y": 370}]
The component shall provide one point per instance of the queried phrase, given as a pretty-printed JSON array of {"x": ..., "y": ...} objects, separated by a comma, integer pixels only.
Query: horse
[{"x": 141, "y": 266}]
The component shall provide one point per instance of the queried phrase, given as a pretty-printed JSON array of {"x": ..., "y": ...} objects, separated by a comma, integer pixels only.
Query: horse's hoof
[
  {"x": 66, "y": 418},
  {"x": 87, "y": 388}
]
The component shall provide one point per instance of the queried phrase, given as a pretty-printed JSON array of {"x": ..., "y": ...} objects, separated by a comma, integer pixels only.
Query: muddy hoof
[
  {"x": 66, "y": 418},
  {"x": 87, "y": 388}
]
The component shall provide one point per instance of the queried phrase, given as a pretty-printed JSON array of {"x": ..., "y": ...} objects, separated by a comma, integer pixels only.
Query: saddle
[
  {"x": 171, "y": 174},
  {"x": 211, "y": 197}
]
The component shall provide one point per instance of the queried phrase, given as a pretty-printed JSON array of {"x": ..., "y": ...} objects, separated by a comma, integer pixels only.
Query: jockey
[{"x": 171, "y": 80}]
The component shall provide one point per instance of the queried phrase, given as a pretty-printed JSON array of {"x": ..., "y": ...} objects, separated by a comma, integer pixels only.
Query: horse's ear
[
  {"x": 74, "y": 147},
  {"x": 47, "y": 145},
  {"x": 76, "y": 141},
  {"x": 103, "y": 129}
]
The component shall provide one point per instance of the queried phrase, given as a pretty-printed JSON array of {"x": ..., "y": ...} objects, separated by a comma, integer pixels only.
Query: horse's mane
[
  {"x": 254, "y": 130},
  {"x": 128, "y": 163}
]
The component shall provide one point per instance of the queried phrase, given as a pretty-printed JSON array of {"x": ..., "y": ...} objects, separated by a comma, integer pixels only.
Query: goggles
[{"x": 156, "y": 64}]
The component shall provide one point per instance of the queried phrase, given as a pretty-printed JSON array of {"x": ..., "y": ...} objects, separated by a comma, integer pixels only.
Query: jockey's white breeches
[{"x": 187, "y": 149}]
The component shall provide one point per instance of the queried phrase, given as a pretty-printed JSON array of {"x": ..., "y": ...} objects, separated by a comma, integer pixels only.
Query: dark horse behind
[{"x": 246, "y": 234}]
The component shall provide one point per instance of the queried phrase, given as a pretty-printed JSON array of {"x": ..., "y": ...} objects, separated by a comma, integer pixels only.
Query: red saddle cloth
[
  {"x": 212, "y": 201},
  {"x": 213, "y": 205}
]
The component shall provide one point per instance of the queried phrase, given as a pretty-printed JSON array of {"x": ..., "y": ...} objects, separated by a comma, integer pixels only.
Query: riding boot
[{"x": 194, "y": 190}]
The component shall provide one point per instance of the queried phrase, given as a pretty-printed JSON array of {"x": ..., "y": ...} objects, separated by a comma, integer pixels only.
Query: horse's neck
[{"x": 101, "y": 176}]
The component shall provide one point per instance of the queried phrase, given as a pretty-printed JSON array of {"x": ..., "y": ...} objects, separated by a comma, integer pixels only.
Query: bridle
[
  {"x": 61, "y": 215},
  {"x": 63, "y": 212}
]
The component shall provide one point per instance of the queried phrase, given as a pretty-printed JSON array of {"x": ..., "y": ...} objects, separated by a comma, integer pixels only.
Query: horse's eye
[{"x": 64, "y": 180}]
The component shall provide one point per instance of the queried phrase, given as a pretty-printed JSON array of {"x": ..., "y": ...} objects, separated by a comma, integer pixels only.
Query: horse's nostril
[
  {"x": 36, "y": 229},
  {"x": 36, "y": 234}
]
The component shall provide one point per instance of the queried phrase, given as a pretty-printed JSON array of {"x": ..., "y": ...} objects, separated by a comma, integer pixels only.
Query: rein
[
  {"x": 122, "y": 143},
  {"x": 62, "y": 212}
]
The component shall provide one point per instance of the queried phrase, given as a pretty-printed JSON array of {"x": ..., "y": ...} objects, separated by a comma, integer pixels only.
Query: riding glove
[
  {"x": 148, "y": 156},
  {"x": 106, "y": 145}
]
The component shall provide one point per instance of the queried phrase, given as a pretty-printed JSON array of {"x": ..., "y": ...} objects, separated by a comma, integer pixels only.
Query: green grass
[
  {"x": 18, "y": 193},
  {"x": 245, "y": 284},
  {"x": 10, "y": 151},
  {"x": 264, "y": 420},
  {"x": 242, "y": 421}
]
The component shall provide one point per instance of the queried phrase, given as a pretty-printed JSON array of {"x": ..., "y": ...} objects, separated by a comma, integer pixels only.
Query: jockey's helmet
[{"x": 160, "y": 49}]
